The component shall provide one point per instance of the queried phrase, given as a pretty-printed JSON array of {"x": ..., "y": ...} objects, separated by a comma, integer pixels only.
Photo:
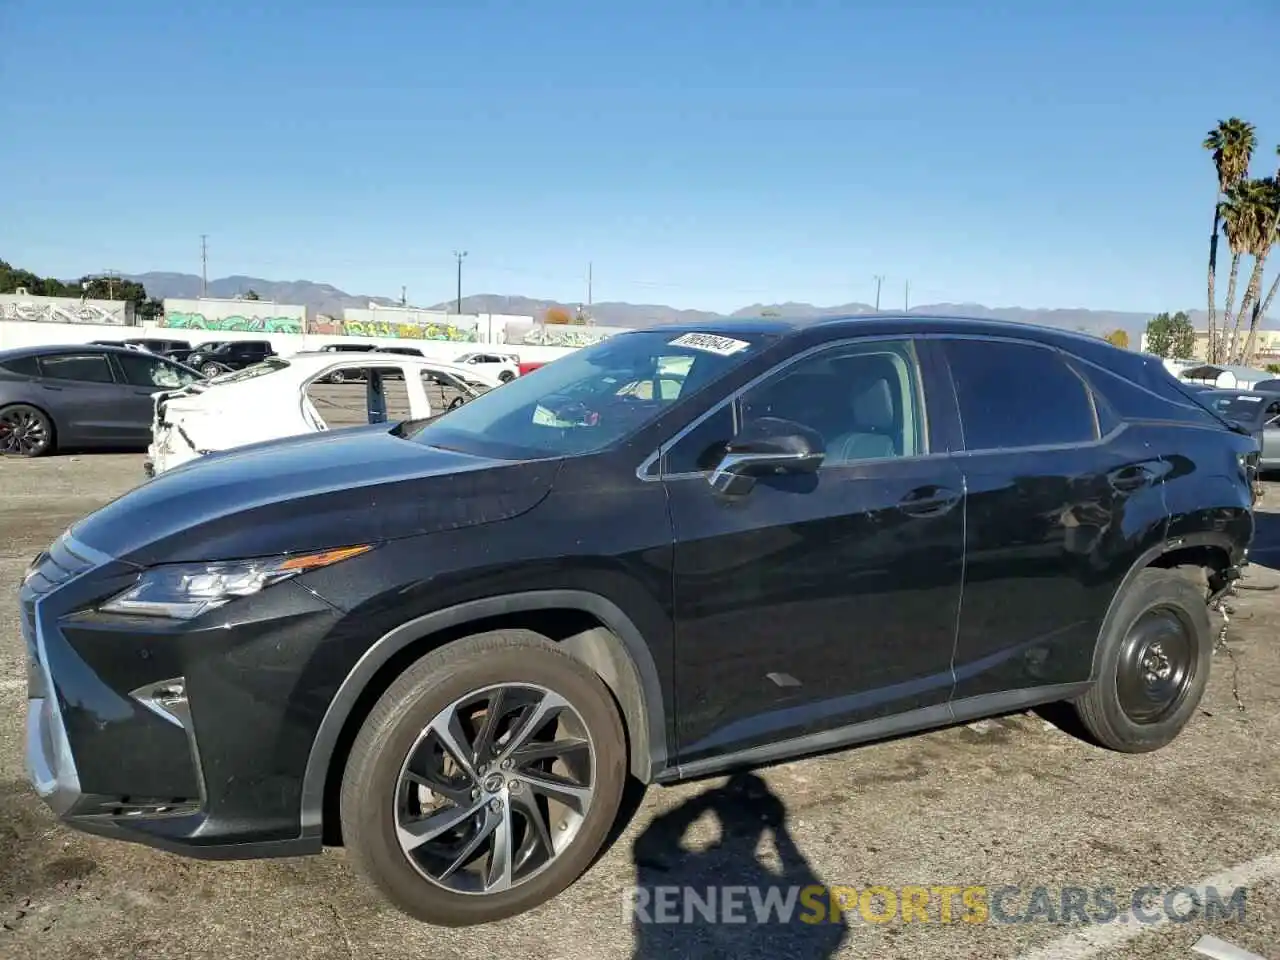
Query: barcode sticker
[{"x": 710, "y": 343}]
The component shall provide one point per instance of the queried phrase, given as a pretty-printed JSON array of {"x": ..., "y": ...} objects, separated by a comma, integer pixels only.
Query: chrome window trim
[{"x": 649, "y": 463}]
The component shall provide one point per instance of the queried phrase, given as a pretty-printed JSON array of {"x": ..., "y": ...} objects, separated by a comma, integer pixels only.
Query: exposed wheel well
[
  {"x": 581, "y": 633},
  {"x": 1213, "y": 561}
]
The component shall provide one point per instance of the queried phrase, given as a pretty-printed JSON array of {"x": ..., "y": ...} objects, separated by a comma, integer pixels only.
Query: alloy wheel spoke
[
  {"x": 448, "y": 730},
  {"x": 484, "y": 746},
  {"x": 549, "y": 750},
  {"x": 572, "y": 795},
  {"x": 526, "y": 804},
  {"x": 498, "y": 876},
  {"x": 533, "y": 720},
  {"x": 467, "y": 853},
  {"x": 458, "y": 796},
  {"x": 415, "y": 833}
]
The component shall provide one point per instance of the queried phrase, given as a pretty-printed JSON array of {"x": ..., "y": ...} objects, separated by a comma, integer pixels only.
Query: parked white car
[
  {"x": 269, "y": 401},
  {"x": 505, "y": 366}
]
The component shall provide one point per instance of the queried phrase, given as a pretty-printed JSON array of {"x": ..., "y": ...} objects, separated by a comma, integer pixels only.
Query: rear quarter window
[
  {"x": 22, "y": 366},
  {"x": 1146, "y": 392}
]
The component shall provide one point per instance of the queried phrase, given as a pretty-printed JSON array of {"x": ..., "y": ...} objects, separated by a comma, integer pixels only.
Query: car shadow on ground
[{"x": 686, "y": 889}]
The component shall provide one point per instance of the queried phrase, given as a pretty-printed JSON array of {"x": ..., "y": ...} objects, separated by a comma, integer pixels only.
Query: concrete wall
[
  {"x": 525, "y": 330},
  {"x": 22, "y": 306},
  {"x": 24, "y": 334},
  {"x": 220, "y": 316}
]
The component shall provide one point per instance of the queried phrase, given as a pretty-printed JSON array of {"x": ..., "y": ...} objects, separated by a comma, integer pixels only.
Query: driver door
[{"x": 816, "y": 601}]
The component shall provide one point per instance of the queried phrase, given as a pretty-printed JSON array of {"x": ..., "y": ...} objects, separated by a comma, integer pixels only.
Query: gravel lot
[{"x": 1015, "y": 801}]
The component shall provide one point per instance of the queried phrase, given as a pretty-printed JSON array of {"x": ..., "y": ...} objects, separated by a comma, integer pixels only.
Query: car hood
[{"x": 361, "y": 485}]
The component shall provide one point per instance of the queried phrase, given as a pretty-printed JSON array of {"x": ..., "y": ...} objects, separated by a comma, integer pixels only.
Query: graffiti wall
[
  {"x": 22, "y": 306},
  {"x": 558, "y": 335},
  {"x": 240, "y": 316},
  {"x": 407, "y": 323}
]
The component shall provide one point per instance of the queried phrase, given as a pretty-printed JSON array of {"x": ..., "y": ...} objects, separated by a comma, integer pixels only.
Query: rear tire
[
  {"x": 506, "y": 376},
  {"x": 25, "y": 431},
  {"x": 338, "y": 376},
  {"x": 1153, "y": 663},
  {"x": 399, "y": 777}
]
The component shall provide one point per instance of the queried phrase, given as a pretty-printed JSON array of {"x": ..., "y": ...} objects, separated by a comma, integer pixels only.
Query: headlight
[{"x": 183, "y": 591}]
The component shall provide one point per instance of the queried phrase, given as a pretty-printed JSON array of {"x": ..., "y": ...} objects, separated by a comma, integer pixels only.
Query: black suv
[
  {"x": 228, "y": 355},
  {"x": 449, "y": 643}
]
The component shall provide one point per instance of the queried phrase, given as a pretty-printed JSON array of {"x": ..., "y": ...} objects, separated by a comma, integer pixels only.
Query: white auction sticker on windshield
[{"x": 711, "y": 343}]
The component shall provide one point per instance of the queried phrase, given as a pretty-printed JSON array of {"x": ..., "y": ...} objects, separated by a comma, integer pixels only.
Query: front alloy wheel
[
  {"x": 496, "y": 787},
  {"x": 485, "y": 780}
]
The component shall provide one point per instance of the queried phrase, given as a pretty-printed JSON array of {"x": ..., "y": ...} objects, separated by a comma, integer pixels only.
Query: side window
[
  {"x": 87, "y": 368},
  {"x": 141, "y": 370},
  {"x": 702, "y": 447},
  {"x": 862, "y": 398},
  {"x": 1018, "y": 395}
]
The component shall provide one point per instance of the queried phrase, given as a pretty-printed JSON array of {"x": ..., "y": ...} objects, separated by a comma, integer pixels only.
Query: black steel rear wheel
[
  {"x": 25, "y": 431},
  {"x": 1152, "y": 661}
]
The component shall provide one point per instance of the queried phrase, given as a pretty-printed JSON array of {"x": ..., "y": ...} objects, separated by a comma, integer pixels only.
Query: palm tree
[
  {"x": 1232, "y": 142},
  {"x": 1240, "y": 223},
  {"x": 1267, "y": 211},
  {"x": 1260, "y": 309}
]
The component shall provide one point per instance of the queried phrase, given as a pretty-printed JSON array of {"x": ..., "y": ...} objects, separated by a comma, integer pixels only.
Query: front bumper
[{"x": 191, "y": 737}]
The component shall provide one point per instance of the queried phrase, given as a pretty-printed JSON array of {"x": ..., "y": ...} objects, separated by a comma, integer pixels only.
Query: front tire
[
  {"x": 211, "y": 370},
  {"x": 25, "y": 431},
  {"x": 485, "y": 780},
  {"x": 1154, "y": 663}
]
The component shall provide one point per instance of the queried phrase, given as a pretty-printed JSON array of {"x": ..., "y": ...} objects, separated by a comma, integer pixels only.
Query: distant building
[{"x": 234, "y": 315}]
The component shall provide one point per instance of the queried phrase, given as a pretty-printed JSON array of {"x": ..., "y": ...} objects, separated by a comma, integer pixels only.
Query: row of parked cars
[{"x": 112, "y": 394}]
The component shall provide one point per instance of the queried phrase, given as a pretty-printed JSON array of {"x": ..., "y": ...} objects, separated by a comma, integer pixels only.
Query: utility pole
[
  {"x": 589, "y": 300},
  {"x": 110, "y": 277},
  {"x": 906, "y": 296},
  {"x": 204, "y": 265},
  {"x": 879, "y": 280},
  {"x": 403, "y": 296},
  {"x": 459, "y": 254}
]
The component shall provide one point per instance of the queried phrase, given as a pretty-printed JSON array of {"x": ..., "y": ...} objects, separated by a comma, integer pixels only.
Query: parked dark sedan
[
  {"x": 229, "y": 355},
  {"x": 449, "y": 643},
  {"x": 81, "y": 396}
]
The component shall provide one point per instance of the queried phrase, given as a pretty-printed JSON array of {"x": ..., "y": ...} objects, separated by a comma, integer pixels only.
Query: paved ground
[{"x": 1010, "y": 802}]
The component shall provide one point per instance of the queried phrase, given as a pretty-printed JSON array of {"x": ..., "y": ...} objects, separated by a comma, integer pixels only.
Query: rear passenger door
[
  {"x": 1060, "y": 499},
  {"x": 89, "y": 405},
  {"x": 818, "y": 601}
]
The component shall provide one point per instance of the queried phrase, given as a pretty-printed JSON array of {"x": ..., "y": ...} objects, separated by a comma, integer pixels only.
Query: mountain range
[{"x": 324, "y": 298}]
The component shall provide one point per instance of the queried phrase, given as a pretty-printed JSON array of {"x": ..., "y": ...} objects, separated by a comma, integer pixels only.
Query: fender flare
[
  {"x": 1190, "y": 540},
  {"x": 621, "y": 649}
]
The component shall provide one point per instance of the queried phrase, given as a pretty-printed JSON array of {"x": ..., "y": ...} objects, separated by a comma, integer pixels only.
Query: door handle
[
  {"x": 46, "y": 386},
  {"x": 1128, "y": 479},
  {"x": 929, "y": 501}
]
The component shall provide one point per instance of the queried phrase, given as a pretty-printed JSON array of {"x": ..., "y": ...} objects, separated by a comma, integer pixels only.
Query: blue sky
[{"x": 703, "y": 154}]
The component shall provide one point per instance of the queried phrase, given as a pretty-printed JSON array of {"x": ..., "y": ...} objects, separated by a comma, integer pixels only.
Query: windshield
[
  {"x": 591, "y": 398},
  {"x": 1238, "y": 406}
]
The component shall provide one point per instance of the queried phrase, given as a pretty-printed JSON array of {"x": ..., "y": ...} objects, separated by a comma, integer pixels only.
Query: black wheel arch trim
[
  {"x": 620, "y": 647},
  {"x": 1144, "y": 560}
]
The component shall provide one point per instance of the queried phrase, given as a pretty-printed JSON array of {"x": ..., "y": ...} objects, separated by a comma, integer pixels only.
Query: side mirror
[{"x": 767, "y": 446}]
